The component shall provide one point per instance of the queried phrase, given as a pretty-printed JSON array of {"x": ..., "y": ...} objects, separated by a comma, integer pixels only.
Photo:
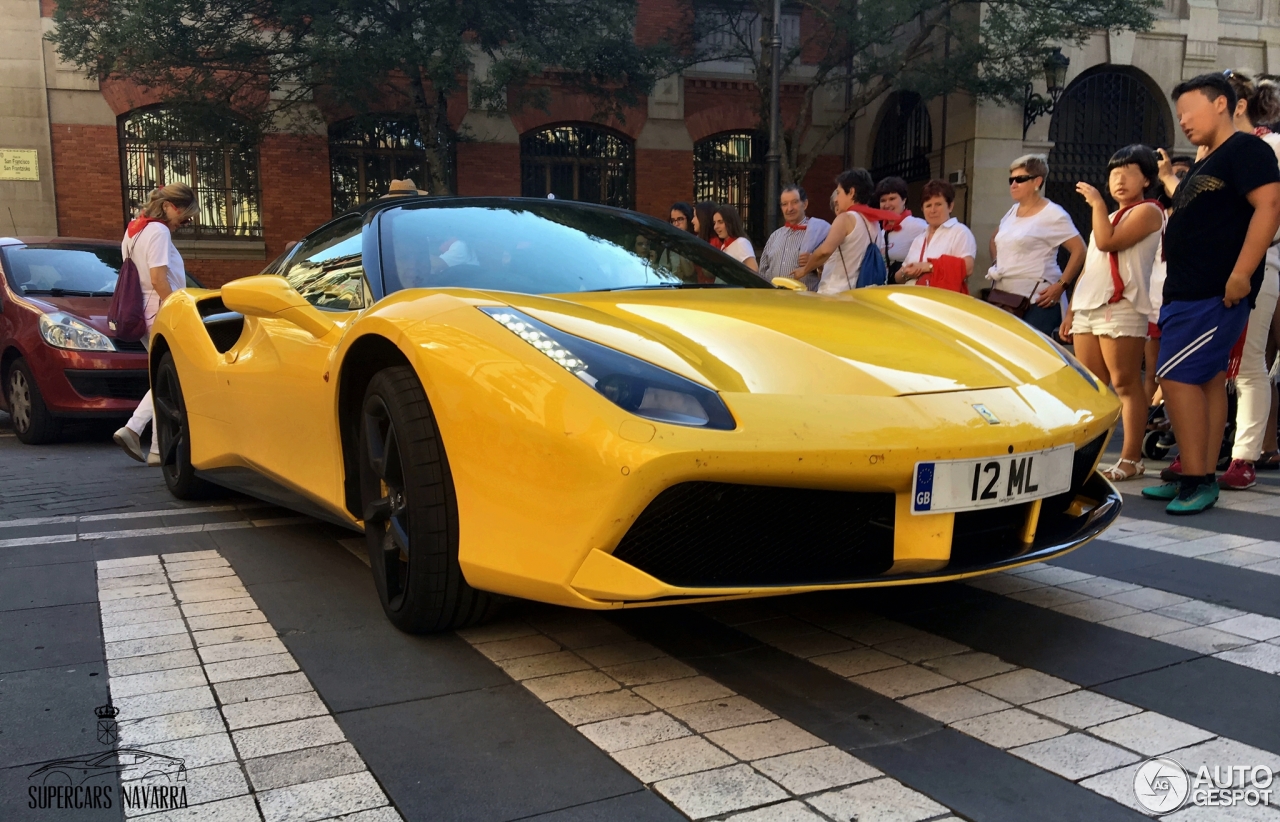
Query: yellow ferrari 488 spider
[{"x": 583, "y": 406}]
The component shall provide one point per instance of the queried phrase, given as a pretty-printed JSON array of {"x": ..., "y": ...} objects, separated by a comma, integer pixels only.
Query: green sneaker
[
  {"x": 1165, "y": 491},
  {"x": 1201, "y": 499}
]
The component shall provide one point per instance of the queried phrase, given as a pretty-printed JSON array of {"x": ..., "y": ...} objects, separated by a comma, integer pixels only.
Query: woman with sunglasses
[
  {"x": 1024, "y": 249},
  {"x": 148, "y": 241}
]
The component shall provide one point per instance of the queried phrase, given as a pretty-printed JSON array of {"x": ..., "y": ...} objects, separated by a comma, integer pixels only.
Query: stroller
[{"x": 1158, "y": 441}]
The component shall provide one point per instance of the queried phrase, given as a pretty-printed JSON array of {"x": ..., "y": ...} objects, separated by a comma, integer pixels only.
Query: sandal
[
  {"x": 1117, "y": 474},
  {"x": 1269, "y": 461}
]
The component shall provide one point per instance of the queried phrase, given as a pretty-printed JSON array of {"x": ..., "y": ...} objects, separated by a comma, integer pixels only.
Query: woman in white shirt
[
  {"x": 1110, "y": 308},
  {"x": 840, "y": 255},
  {"x": 945, "y": 236},
  {"x": 1024, "y": 249},
  {"x": 148, "y": 241},
  {"x": 891, "y": 194},
  {"x": 728, "y": 227}
]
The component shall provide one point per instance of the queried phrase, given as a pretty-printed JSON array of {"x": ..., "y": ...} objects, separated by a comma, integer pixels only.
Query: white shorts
[{"x": 1114, "y": 320}]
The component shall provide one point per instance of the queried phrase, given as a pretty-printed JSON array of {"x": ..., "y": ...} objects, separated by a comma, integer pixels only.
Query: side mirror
[
  {"x": 789, "y": 283},
  {"x": 272, "y": 296}
]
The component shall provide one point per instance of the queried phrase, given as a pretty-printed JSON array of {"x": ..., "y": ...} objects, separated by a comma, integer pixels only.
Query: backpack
[
  {"x": 873, "y": 270},
  {"x": 126, "y": 318}
]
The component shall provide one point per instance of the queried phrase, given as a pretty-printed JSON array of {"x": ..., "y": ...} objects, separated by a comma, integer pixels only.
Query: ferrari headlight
[
  {"x": 1070, "y": 360},
  {"x": 632, "y": 384},
  {"x": 65, "y": 331}
]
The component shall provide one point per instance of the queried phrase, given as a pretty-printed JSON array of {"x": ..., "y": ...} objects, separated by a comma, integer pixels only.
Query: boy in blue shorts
[{"x": 1225, "y": 213}]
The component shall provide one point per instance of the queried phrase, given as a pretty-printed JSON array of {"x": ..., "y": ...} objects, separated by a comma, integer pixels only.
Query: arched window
[
  {"x": 729, "y": 168},
  {"x": 1100, "y": 112},
  {"x": 575, "y": 161},
  {"x": 367, "y": 153},
  {"x": 217, "y": 157},
  {"x": 904, "y": 140}
]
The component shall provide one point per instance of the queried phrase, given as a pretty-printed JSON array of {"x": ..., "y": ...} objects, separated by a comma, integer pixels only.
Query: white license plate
[{"x": 990, "y": 482}]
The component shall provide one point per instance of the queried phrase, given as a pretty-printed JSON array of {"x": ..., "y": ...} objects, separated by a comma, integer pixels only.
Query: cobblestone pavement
[{"x": 252, "y": 675}]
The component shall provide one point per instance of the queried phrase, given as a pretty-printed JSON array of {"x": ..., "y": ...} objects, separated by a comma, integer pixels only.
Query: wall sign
[{"x": 19, "y": 164}]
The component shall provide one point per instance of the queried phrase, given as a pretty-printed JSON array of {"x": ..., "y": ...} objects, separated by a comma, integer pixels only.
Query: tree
[
  {"x": 236, "y": 55},
  {"x": 989, "y": 49}
]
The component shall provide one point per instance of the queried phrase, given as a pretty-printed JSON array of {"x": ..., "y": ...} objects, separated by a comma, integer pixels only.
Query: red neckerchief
[
  {"x": 1261, "y": 131},
  {"x": 140, "y": 223},
  {"x": 796, "y": 226},
  {"x": 716, "y": 242},
  {"x": 902, "y": 218},
  {"x": 1117, "y": 284},
  {"x": 890, "y": 220}
]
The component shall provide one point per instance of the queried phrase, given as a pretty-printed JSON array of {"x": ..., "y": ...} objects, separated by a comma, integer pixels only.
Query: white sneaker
[{"x": 128, "y": 440}]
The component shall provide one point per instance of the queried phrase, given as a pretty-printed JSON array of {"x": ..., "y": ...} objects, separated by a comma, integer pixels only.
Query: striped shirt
[{"x": 781, "y": 253}]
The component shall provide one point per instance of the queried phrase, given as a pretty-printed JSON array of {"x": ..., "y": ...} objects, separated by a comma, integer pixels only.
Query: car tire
[
  {"x": 171, "y": 427},
  {"x": 32, "y": 422},
  {"x": 411, "y": 512}
]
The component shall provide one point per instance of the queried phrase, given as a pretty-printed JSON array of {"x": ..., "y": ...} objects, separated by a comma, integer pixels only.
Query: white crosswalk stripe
[{"x": 1196, "y": 543}]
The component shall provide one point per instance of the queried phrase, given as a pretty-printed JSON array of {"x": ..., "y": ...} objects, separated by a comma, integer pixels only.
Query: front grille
[
  {"x": 128, "y": 345},
  {"x": 115, "y": 384},
  {"x": 990, "y": 535},
  {"x": 1081, "y": 468},
  {"x": 713, "y": 534}
]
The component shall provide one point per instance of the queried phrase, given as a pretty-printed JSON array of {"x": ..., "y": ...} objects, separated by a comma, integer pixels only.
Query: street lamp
[
  {"x": 1055, "y": 78},
  {"x": 773, "y": 160}
]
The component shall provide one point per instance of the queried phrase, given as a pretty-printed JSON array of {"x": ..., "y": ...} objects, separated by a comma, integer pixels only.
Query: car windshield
[
  {"x": 546, "y": 248},
  {"x": 74, "y": 271}
]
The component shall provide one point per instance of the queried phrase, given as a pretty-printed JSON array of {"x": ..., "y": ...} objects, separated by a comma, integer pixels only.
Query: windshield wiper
[
  {"x": 667, "y": 285},
  {"x": 60, "y": 292}
]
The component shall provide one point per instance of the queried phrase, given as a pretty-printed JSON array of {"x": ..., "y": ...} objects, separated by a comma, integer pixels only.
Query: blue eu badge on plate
[{"x": 924, "y": 487}]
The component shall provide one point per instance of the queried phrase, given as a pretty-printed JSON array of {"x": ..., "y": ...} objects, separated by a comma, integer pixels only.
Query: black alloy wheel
[
  {"x": 32, "y": 422},
  {"x": 171, "y": 427},
  {"x": 410, "y": 511}
]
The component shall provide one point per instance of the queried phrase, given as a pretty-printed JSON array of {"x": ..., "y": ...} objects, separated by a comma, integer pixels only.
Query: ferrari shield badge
[{"x": 986, "y": 414}]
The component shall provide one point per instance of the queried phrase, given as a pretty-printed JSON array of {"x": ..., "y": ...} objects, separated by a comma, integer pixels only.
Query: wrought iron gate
[
  {"x": 729, "y": 168},
  {"x": 577, "y": 161},
  {"x": 1098, "y": 114},
  {"x": 904, "y": 140}
]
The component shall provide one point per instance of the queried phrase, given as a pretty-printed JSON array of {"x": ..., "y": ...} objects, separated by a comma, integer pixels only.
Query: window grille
[
  {"x": 904, "y": 140},
  {"x": 578, "y": 162},
  {"x": 219, "y": 161},
  {"x": 729, "y": 168},
  {"x": 366, "y": 154}
]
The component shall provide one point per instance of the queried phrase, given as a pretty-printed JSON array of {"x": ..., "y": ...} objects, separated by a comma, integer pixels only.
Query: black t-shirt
[{"x": 1211, "y": 217}]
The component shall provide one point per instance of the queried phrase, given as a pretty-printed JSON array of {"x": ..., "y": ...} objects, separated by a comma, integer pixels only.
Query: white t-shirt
[
  {"x": 1155, "y": 289},
  {"x": 953, "y": 238},
  {"x": 151, "y": 248},
  {"x": 1027, "y": 249},
  {"x": 740, "y": 249},
  {"x": 840, "y": 272},
  {"x": 900, "y": 241},
  {"x": 1094, "y": 289}
]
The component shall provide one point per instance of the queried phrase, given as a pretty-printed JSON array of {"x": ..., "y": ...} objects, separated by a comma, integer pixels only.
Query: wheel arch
[
  {"x": 10, "y": 354},
  {"x": 159, "y": 347},
  {"x": 366, "y": 357}
]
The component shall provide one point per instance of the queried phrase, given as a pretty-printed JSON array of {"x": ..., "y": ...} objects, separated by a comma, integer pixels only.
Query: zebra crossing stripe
[{"x": 1196, "y": 543}]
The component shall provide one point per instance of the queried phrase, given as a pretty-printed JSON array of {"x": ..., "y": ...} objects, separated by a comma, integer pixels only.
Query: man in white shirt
[
  {"x": 781, "y": 253},
  {"x": 891, "y": 194}
]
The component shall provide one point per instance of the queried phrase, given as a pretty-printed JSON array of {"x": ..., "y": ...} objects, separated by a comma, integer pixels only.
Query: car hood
[
  {"x": 876, "y": 342},
  {"x": 90, "y": 310}
]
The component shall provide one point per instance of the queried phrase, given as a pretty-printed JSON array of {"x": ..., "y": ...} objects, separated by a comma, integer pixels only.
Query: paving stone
[
  {"x": 195, "y": 592},
  {"x": 144, "y": 630},
  {"x": 134, "y": 592},
  {"x": 749, "y": 742},
  {"x": 905, "y": 680},
  {"x": 243, "y": 690},
  {"x": 675, "y": 757},
  {"x": 597, "y": 707},
  {"x": 881, "y": 800},
  {"x": 236, "y": 809},
  {"x": 1223, "y": 751},
  {"x": 1055, "y": 575},
  {"x": 249, "y": 668},
  {"x": 1146, "y": 624},
  {"x": 166, "y": 702},
  {"x": 245, "y": 649},
  {"x": 274, "y": 709},
  {"x": 208, "y": 784},
  {"x": 113, "y": 619},
  {"x": 225, "y": 620},
  {"x": 953, "y": 704},
  {"x": 712, "y": 793},
  {"x": 124, "y": 562},
  {"x": 1199, "y": 613},
  {"x": 187, "y": 575},
  {"x": 123, "y": 666},
  {"x": 165, "y": 728},
  {"x": 683, "y": 691},
  {"x": 287, "y": 736},
  {"x": 1151, "y": 733},
  {"x": 1100, "y": 587},
  {"x": 1075, "y": 756},
  {"x": 856, "y": 662},
  {"x": 1004, "y": 584},
  {"x": 1022, "y": 686},
  {"x": 306, "y": 765},
  {"x": 1147, "y": 599},
  {"x": 190, "y": 556},
  {"x": 1048, "y": 597},
  {"x": 156, "y": 577},
  {"x": 619, "y": 653},
  {"x": 968, "y": 667},
  {"x": 1209, "y": 544},
  {"x": 813, "y": 644},
  {"x": 718, "y": 714},
  {"x": 1253, "y": 626},
  {"x": 497, "y": 632},
  {"x": 238, "y": 633},
  {"x": 157, "y": 600},
  {"x": 579, "y": 634},
  {"x": 218, "y": 606},
  {"x": 563, "y": 686},
  {"x": 793, "y": 811},
  {"x": 649, "y": 671},
  {"x": 521, "y": 646},
  {"x": 1082, "y": 709},
  {"x": 817, "y": 769},
  {"x": 1204, "y": 640},
  {"x": 1096, "y": 610},
  {"x": 633, "y": 731},
  {"x": 156, "y": 681},
  {"x": 1261, "y": 656},
  {"x": 530, "y": 667},
  {"x": 383, "y": 814},
  {"x": 1008, "y": 729},
  {"x": 191, "y": 565},
  {"x": 198, "y": 751},
  {"x": 1117, "y": 785},
  {"x": 917, "y": 649}
]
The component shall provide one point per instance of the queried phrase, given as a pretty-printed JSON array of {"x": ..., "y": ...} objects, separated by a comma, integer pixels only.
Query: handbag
[
  {"x": 1015, "y": 304},
  {"x": 126, "y": 316}
]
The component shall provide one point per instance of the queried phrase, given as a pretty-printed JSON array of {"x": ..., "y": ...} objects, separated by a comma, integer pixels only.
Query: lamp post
[
  {"x": 1055, "y": 78},
  {"x": 773, "y": 160}
]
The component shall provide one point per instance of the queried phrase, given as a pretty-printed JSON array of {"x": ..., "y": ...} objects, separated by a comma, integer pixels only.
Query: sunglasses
[{"x": 1021, "y": 178}]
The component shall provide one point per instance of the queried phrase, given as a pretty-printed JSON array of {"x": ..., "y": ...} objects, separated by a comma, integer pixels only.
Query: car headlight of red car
[{"x": 65, "y": 331}]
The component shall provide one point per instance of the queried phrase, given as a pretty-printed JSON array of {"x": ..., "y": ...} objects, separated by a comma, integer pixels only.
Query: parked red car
[{"x": 57, "y": 361}]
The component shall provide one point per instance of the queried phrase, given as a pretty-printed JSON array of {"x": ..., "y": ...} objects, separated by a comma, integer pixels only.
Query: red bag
[
  {"x": 948, "y": 272},
  {"x": 126, "y": 318}
]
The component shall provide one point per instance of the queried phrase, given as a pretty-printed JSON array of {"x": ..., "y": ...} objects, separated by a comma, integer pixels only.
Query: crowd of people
[{"x": 1173, "y": 296}]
